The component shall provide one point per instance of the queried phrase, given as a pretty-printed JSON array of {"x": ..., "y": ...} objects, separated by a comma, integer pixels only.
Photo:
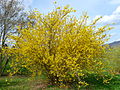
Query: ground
[{"x": 40, "y": 83}]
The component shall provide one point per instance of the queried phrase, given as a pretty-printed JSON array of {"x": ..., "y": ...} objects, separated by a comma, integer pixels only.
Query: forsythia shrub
[{"x": 62, "y": 46}]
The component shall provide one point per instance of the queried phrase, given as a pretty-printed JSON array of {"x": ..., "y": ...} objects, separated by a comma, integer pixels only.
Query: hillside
[{"x": 114, "y": 44}]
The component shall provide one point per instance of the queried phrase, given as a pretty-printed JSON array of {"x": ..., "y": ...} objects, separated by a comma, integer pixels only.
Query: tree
[
  {"x": 60, "y": 45},
  {"x": 11, "y": 13}
]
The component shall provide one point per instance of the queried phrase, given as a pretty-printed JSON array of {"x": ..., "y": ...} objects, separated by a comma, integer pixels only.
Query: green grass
[
  {"x": 114, "y": 84},
  {"x": 40, "y": 83},
  {"x": 21, "y": 83},
  {"x": 14, "y": 83}
]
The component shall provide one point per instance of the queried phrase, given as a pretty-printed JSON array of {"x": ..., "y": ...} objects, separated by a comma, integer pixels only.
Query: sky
[{"x": 108, "y": 9}]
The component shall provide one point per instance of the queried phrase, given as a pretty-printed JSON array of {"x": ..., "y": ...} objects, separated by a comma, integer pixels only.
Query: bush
[{"x": 60, "y": 45}]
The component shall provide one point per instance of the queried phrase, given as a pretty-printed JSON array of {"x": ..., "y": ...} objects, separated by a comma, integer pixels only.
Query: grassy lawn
[
  {"x": 40, "y": 83},
  {"x": 21, "y": 83}
]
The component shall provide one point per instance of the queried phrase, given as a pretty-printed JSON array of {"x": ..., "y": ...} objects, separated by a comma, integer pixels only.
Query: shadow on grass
[{"x": 95, "y": 84}]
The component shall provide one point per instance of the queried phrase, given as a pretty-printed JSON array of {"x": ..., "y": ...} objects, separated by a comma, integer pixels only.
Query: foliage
[
  {"x": 113, "y": 57},
  {"x": 114, "y": 84},
  {"x": 62, "y": 46}
]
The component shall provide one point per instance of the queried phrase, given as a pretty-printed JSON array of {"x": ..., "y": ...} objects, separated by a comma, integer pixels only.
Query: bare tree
[{"x": 10, "y": 12}]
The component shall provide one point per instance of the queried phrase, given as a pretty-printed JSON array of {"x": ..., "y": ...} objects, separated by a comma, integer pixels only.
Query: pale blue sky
[{"x": 109, "y": 9}]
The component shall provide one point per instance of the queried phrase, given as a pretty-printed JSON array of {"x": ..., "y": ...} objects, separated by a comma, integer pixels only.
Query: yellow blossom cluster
[{"x": 60, "y": 45}]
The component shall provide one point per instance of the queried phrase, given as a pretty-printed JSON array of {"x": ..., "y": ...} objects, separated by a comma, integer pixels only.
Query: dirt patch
[{"x": 40, "y": 85}]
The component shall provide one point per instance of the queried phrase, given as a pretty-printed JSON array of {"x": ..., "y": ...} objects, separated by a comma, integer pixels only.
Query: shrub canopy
[{"x": 59, "y": 44}]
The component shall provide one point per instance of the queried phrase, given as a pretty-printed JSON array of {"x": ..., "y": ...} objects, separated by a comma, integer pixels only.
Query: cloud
[
  {"x": 114, "y": 1},
  {"x": 113, "y": 18},
  {"x": 118, "y": 39}
]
